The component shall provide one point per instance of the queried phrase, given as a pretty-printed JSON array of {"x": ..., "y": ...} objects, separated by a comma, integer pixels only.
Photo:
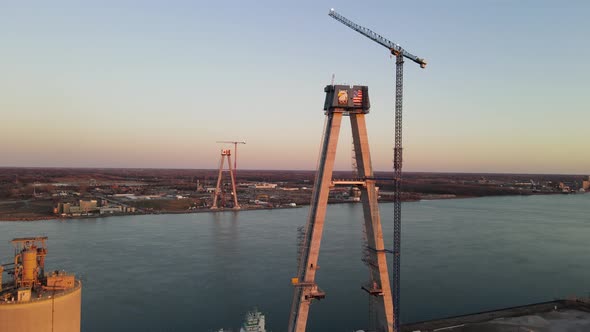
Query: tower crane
[
  {"x": 399, "y": 54},
  {"x": 235, "y": 143}
]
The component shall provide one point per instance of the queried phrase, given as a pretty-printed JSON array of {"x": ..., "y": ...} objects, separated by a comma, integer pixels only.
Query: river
[{"x": 204, "y": 271}]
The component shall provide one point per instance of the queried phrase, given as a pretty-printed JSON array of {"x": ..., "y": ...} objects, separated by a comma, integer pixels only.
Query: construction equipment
[
  {"x": 235, "y": 143},
  {"x": 400, "y": 54},
  {"x": 353, "y": 101}
]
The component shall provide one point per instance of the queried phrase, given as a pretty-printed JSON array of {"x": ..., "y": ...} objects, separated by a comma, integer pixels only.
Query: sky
[{"x": 154, "y": 84}]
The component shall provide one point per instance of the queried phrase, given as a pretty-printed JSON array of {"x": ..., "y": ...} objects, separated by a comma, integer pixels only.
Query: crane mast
[{"x": 400, "y": 54}]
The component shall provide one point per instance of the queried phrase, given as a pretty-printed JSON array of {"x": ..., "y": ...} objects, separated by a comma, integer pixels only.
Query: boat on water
[{"x": 254, "y": 322}]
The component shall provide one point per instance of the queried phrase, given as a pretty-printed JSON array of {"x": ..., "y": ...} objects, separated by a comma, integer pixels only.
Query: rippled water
[{"x": 199, "y": 272}]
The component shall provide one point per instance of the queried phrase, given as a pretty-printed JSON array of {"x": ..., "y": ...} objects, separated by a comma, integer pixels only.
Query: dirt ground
[
  {"x": 554, "y": 321},
  {"x": 26, "y": 210},
  {"x": 172, "y": 205}
]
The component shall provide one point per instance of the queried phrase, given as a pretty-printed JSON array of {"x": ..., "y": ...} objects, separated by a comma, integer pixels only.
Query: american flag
[{"x": 357, "y": 97}]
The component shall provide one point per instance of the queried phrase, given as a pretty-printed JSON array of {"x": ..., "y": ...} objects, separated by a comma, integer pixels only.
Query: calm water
[{"x": 198, "y": 272}]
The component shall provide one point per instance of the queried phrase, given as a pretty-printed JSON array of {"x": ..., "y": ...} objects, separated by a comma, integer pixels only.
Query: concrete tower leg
[
  {"x": 379, "y": 286},
  {"x": 218, "y": 187},
  {"x": 307, "y": 290},
  {"x": 233, "y": 183}
]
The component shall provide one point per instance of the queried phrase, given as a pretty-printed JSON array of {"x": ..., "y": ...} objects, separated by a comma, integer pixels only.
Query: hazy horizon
[
  {"x": 153, "y": 85},
  {"x": 280, "y": 170}
]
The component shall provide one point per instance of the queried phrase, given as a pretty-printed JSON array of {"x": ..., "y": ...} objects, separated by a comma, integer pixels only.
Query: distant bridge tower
[
  {"x": 218, "y": 190},
  {"x": 354, "y": 102}
]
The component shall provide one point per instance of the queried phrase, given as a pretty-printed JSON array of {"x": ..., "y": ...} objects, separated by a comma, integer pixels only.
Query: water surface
[{"x": 200, "y": 272}]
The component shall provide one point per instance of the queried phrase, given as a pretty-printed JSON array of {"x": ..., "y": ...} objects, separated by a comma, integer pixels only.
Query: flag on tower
[{"x": 357, "y": 97}]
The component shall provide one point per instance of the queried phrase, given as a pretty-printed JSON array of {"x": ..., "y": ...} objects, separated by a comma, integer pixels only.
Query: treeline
[{"x": 460, "y": 190}]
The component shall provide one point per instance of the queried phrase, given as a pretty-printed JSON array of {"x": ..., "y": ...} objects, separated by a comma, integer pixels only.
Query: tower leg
[
  {"x": 307, "y": 290},
  {"x": 233, "y": 183},
  {"x": 379, "y": 284},
  {"x": 218, "y": 187}
]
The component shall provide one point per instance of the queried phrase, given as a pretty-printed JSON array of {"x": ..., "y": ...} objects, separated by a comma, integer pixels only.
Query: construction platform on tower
[{"x": 571, "y": 315}]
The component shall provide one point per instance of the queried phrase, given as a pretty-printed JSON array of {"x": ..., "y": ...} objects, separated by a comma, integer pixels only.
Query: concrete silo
[{"x": 35, "y": 301}]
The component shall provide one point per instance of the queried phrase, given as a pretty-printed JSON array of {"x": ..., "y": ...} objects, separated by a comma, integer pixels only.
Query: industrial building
[
  {"x": 32, "y": 300},
  {"x": 84, "y": 206},
  {"x": 90, "y": 207},
  {"x": 263, "y": 185}
]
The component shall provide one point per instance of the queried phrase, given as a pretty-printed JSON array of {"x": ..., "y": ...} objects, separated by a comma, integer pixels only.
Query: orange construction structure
[{"x": 33, "y": 300}]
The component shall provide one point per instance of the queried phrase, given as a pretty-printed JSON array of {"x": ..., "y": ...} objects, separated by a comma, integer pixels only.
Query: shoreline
[
  {"x": 425, "y": 198},
  {"x": 56, "y": 218}
]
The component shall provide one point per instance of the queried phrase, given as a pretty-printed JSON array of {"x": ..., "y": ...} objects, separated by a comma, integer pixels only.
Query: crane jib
[{"x": 393, "y": 47}]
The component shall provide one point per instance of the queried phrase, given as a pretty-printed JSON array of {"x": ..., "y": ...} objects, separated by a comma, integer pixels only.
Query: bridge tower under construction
[
  {"x": 219, "y": 189},
  {"x": 352, "y": 101}
]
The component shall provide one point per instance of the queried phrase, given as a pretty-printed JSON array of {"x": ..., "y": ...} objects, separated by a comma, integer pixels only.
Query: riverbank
[
  {"x": 33, "y": 216},
  {"x": 38, "y": 218}
]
